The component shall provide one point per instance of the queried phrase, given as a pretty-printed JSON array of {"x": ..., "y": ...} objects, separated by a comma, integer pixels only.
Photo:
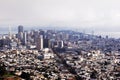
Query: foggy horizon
[
  {"x": 14, "y": 30},
  {"x": 101, "y": 16}
]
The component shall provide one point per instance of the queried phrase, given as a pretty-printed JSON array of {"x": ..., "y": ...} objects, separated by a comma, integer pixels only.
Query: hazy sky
[{"x": 97, "y": 15}]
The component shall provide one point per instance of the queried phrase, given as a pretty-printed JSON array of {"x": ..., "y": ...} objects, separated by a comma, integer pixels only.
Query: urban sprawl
[{"x": 58, "y": 55}]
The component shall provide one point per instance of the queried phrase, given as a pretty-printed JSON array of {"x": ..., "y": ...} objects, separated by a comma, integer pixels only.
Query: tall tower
[
  {"x": 20, "y": 33},
  {"x": 25, "y": 37},
  {"x": 20, "y": 29},
  {"x": 39, "y": 43},
  {"x": 46, "y": 43}
]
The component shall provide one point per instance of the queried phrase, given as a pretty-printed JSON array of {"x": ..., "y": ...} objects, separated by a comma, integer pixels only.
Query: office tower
[
  {"x": 39, "y": 43},
  {"x": 20, "y": 33},
  {"x": 20, "y": 29},
  {"x": 60, "y": 44},
  {"x": 25, "y": 37},
  {"x": 52, "y": 43},
  {"x": 46, "y": 43},
  {"x": 35, "y": 36}
]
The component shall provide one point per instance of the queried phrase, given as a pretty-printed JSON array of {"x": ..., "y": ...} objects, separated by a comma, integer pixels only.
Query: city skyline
[
  {"x": 59, "y": 40},
  {"x": 41, "y": 54},
  {"x": 101, "y": 16},
  {"x": 5, "y": 30}
]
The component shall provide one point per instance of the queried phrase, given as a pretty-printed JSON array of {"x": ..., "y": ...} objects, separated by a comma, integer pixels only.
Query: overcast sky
[{"x": 97, "y": 15}]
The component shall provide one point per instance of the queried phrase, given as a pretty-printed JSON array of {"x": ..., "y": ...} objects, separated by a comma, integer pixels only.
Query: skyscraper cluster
[
  {"x": 29, "y": 38},
  {"x": 60, "y": 55}
]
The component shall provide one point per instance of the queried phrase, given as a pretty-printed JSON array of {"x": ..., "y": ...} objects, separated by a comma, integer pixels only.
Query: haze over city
[
  {"x": 59, "y": 40},
  {"x": 101, "y": 16}
]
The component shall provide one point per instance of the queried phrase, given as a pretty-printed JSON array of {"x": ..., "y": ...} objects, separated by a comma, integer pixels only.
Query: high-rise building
[
  {"x": 20, "y": 33},
  {"x": 46, "y": 43},
  {"x": 61, "y": 44},
  {"x": 36, "y": 34},
  {"x": 39, "y": 43},
  {"x": 25, "y": 37},
  {"x": 20, "y": 29}
]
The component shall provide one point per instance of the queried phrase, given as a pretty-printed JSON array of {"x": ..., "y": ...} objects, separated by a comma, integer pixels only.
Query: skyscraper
[
  {"x": 39, "y": 43},
  {"x": 20, "y": 29},
  {"x": 60, "y": 44},
  {"x": 25, "y": 37},
  {"x": 46, "y": 43},
  {"x": 20, "y": 33}
]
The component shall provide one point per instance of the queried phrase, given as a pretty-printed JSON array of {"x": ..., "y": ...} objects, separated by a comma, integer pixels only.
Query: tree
[
  {"x": 26, "y": 76},
  {"x": 93, "y": 75},
  {"x": 2, "y": 70}
]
